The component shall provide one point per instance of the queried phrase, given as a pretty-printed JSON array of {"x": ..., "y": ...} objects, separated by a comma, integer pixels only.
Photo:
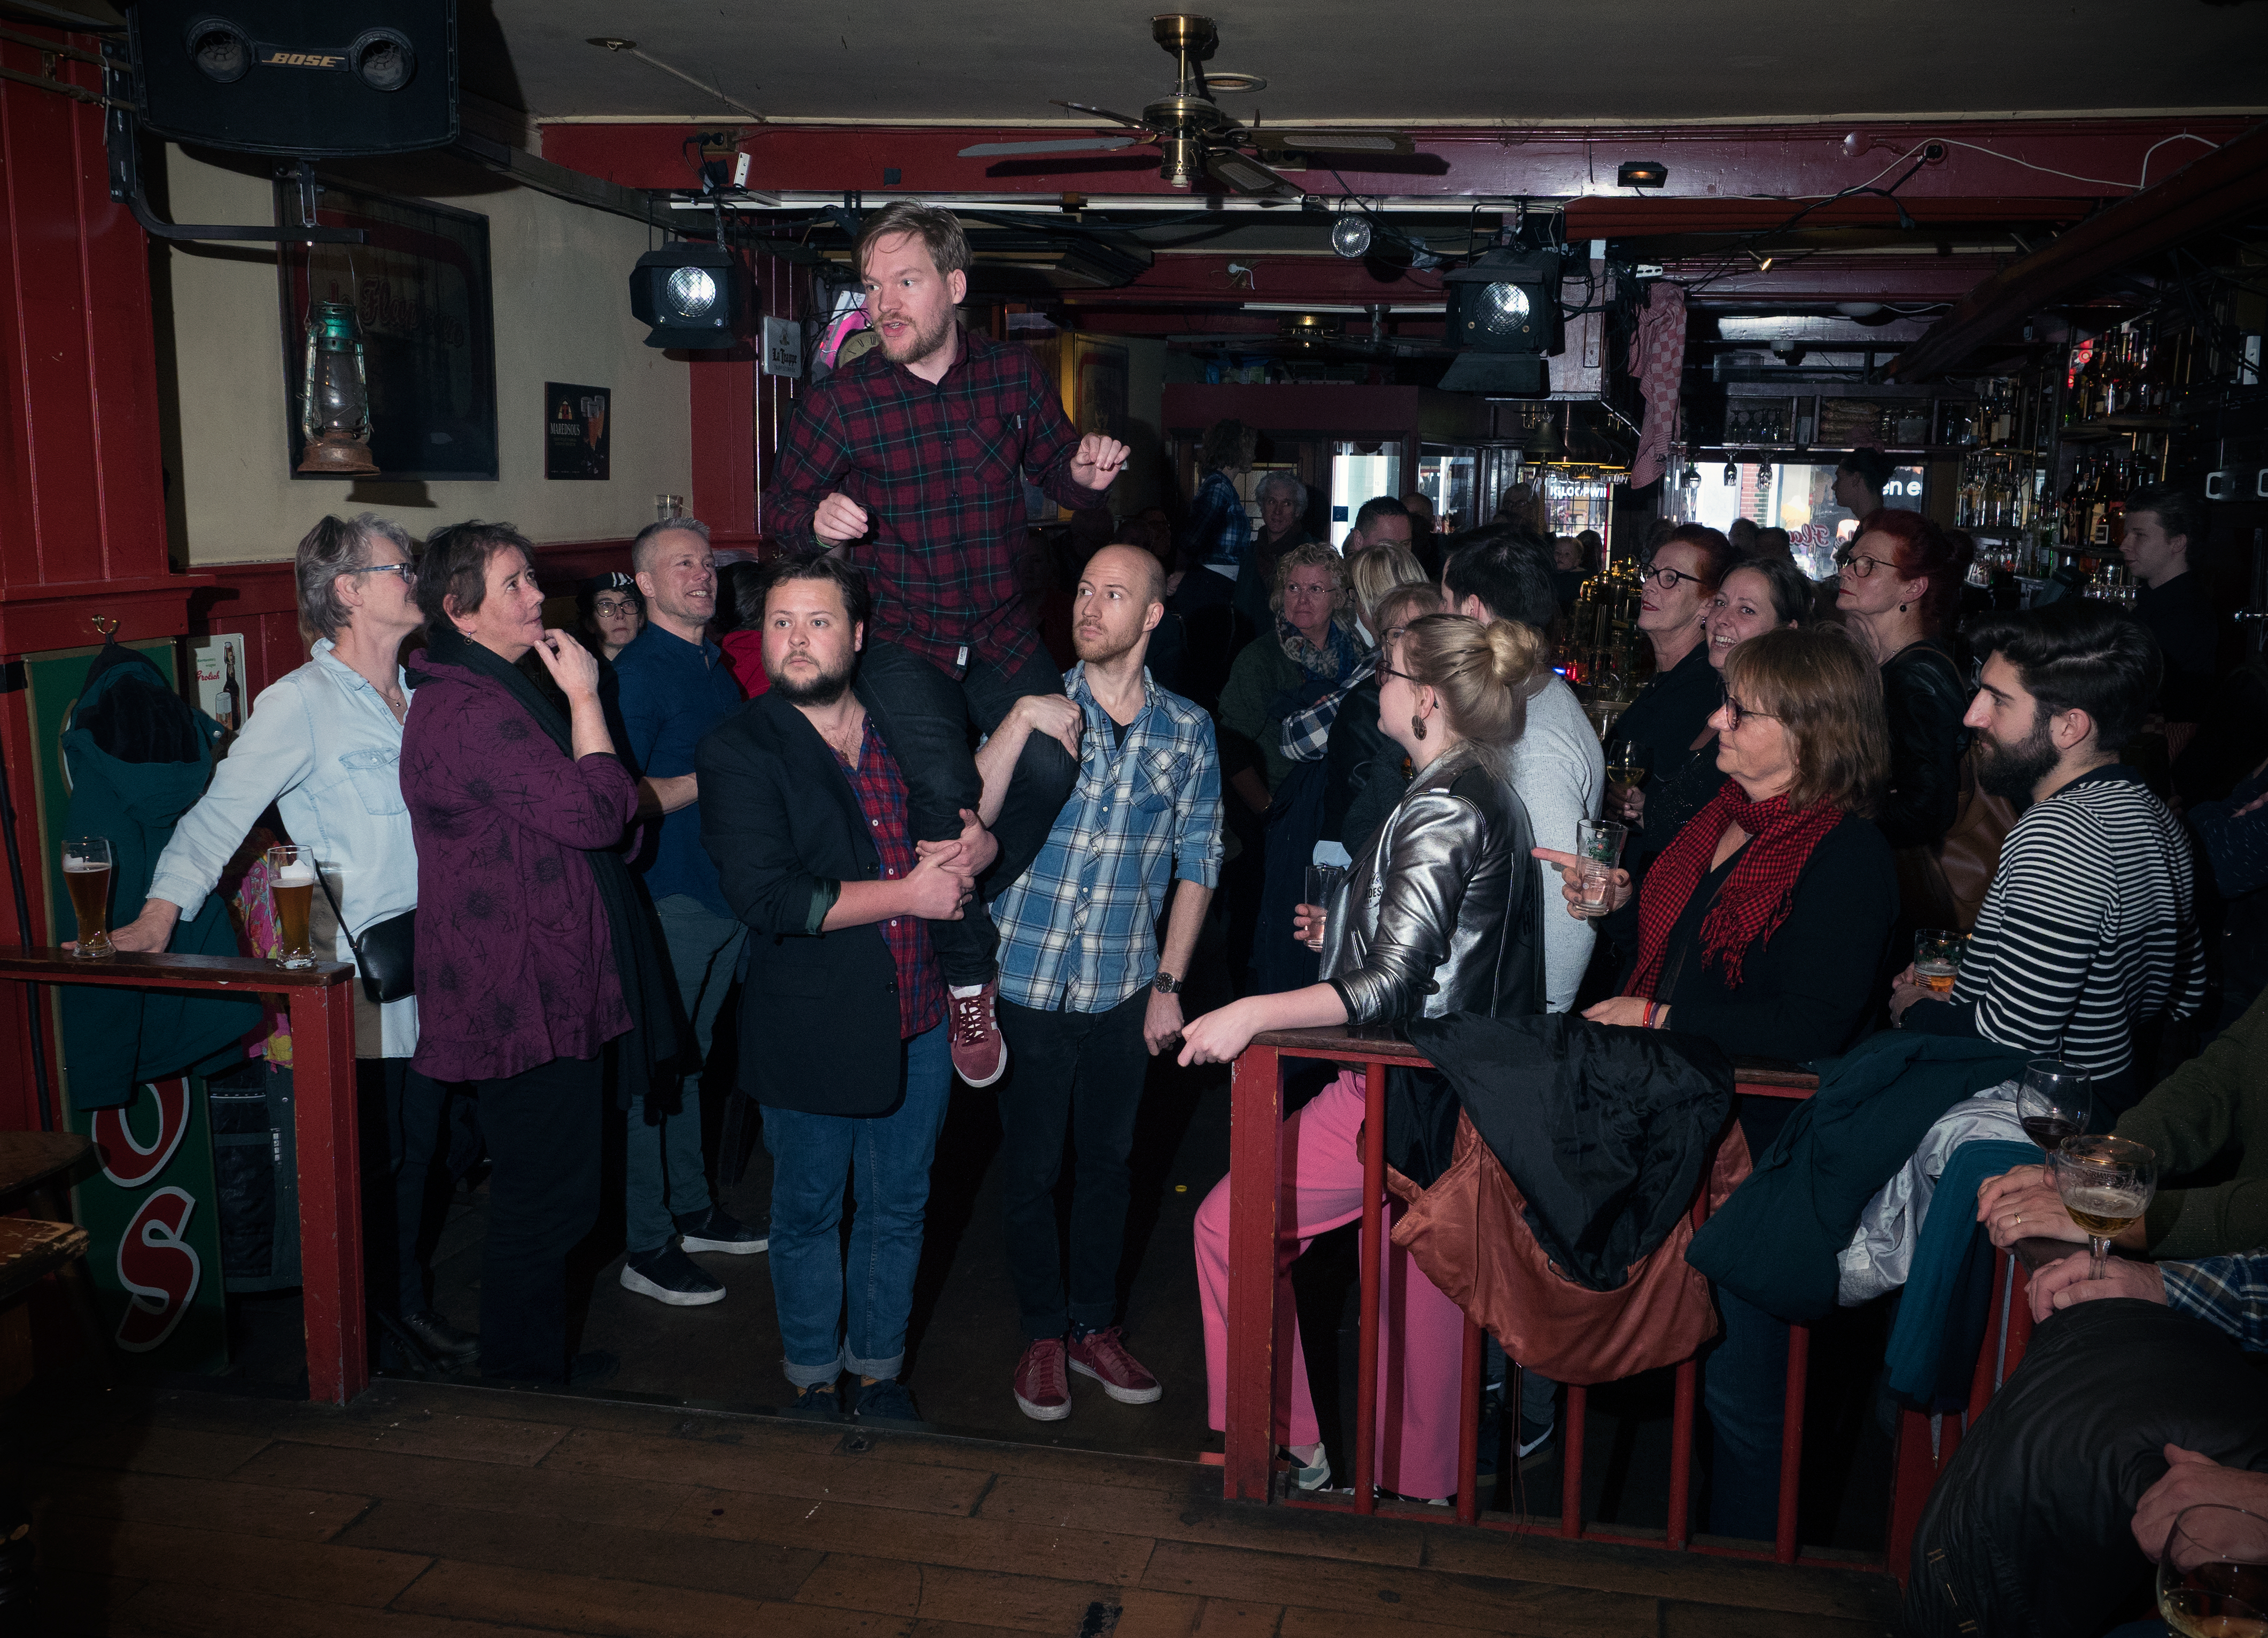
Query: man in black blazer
[{"x": 843, "y": 1020}]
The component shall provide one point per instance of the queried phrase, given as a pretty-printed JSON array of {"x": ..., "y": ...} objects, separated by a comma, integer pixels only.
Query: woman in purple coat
[{"x": 535, "y": 972}]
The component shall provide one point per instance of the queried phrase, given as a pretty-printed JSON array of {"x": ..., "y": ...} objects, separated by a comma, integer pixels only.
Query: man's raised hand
[
  {"x": 1098, "y": 462},
  {"x": 838, "y": 519}
]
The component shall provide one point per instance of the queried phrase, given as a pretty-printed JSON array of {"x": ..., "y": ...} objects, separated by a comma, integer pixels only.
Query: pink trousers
[{"x": 1420, "y": 1334}]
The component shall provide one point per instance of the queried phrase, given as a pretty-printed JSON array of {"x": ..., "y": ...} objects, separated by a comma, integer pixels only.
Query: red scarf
[{"x": 1756, "y": 897}]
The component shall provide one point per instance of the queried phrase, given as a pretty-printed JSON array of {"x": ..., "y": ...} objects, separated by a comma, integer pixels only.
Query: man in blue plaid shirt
[{"x": 1084, "y": 986}]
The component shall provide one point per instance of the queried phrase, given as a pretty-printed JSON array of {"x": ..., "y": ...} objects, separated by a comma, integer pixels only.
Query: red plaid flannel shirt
[
  {"x": 882, "y": 793},
  {"x": 940, "y": 471}
]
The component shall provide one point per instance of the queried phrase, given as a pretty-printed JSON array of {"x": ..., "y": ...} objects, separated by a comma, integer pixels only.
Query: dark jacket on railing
[{"x": 1775, "y": 1242}]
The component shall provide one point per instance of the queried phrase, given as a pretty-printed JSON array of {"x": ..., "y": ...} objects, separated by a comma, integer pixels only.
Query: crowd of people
[{"x": 853, "y": 781}]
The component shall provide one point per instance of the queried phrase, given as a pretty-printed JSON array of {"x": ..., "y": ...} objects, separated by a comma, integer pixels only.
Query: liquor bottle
[{"x": 230, "y": 692}]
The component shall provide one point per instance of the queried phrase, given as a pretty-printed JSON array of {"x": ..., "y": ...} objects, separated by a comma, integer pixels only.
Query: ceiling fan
[{"x": 1194, "y": 135}]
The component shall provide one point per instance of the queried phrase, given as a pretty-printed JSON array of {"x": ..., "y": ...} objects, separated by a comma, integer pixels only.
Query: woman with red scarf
[{"x": 1765, "y": 926}]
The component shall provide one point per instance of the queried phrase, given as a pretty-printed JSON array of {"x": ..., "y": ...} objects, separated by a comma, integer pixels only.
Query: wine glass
[
  {"x": 2054, "y": 1102},
  {"x": 2212, "y": 1576},
  {"x": 2105, "y": 1183},
  {"x": 1626, "y": 763}
]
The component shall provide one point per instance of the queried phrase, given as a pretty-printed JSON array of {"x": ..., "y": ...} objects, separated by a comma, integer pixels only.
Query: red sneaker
[
  {"x": 979, "y": 1056},
  {"x": 1103, "y": 1356},
  {"x": 1042, "y": 1391}
]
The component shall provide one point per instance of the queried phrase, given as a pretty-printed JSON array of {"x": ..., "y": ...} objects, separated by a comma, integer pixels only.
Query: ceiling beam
[
  {"x": 1996, "y": 159},
  {"x": 2206, "y": 192}
]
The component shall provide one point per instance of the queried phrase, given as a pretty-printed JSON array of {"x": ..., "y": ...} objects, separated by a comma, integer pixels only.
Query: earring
[
  {"x": 1418, "y": 725},
  {"x": 1901, "y": 608}
]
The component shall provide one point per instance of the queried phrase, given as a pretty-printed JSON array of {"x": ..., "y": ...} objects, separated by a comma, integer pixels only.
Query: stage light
[
  {"x": 1642, "y": 173},
  {"x": 1350, "y": 235},
  {"x": 688, "y": 295}
]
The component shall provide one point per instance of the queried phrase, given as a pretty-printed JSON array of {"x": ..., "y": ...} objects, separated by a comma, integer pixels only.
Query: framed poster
[
  {"x": 575, "y": 431},
  {"x": 220, "y": 681},
  {"x": 420, "y": 288}
]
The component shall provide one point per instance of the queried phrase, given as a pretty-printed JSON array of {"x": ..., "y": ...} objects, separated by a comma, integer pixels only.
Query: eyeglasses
[
  {"x": 1307, "y": 592},
  {"x": 1388, "y": 671},
  {"x": 1740, "y": 714},
  {"x": 1667, "y": 577},
  {"x": 1861, "y": 567},
  {"x": 408, "y": 571},
  {"x": 614, "y": 606}
]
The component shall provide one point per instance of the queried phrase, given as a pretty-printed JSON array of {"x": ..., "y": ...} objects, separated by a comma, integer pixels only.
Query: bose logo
[{"x": 273, "y": 59}]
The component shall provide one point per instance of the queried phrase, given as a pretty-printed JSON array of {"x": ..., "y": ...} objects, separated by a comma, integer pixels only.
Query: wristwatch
[{"x": 1166, "y": 983}]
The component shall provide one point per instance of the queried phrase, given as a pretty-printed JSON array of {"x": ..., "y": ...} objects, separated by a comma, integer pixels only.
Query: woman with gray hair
[{"x": 322, "y": 744}]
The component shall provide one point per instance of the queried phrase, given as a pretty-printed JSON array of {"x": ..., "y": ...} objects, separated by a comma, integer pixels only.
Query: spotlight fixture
[
  {"x": 1763, "y": 263},
  {"x": 1642, "y": 173},
  {"x": 1350, "y": 235},
  {"x": 688, "y": 295},
  {"x": 1506, "y": 304}
]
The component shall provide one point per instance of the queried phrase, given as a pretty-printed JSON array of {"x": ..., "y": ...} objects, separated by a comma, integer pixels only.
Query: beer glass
[
  {"x": 291, "y": 886},
  {"x": 2212, "y": 1574},
  {"x": 1322, "y": 878},
  {"x": 2105, "y": 1183},
  {"x": 1599, "y": 844},
  {"x": 86, "y": 872},
  {"x": 1937, "y": 958}
]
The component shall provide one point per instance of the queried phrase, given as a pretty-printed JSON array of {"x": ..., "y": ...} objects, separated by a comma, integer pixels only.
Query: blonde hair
[
  {"x": 1312, "y": 556},
  {"x": 1481, "y": 673},
  {"x": 1375, "y": 570}
]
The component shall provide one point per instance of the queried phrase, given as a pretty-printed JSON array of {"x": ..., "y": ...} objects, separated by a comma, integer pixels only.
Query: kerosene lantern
[{"x": 336, "y": 413}]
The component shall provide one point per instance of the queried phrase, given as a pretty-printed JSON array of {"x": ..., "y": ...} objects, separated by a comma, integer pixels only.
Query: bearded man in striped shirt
[{"x": 2089, "y": 930}]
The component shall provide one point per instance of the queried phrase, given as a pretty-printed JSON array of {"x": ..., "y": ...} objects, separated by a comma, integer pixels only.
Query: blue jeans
[
  {"x": 886, "y": 1159},
  {"x": 664, "y": 1176},
  {"x": 1744, "y": 1385}
]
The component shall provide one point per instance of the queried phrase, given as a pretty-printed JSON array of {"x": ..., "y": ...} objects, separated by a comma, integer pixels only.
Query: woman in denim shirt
[{"x": 322, "y": 744}]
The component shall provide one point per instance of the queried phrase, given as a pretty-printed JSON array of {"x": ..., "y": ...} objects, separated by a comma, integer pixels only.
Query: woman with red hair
[{"x": 1899, "y": 586}]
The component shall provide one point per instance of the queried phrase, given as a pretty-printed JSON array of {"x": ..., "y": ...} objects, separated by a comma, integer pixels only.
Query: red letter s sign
[{"x": 158, "y": 1268}]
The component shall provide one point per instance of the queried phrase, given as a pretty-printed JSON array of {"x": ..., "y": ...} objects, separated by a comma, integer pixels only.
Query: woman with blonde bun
[{"x": 1437, "y": 914}]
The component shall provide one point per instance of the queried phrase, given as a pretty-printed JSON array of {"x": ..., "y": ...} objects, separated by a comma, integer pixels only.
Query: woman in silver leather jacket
[{"x": 1438, "y": 915}]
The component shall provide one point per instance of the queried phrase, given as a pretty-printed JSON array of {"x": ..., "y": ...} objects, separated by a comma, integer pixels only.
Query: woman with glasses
[
  {"x": 1900, "y": 583},
  {"x": 1439, "y": 914},
  {"x": 1762, "y": 925},
  {"x": 1755, "y": 596},
  {"x": 613, "y": 611},
  {"x": 324, "y": 745},
  {"x": 1681, "y": 579}
]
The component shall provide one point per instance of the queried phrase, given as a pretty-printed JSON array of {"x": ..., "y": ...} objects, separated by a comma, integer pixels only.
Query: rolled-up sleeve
[
  {"x": 1433, "y": 851},
  {"x": 275, "y": 753},
  {"x": 1196, "y": 835}
]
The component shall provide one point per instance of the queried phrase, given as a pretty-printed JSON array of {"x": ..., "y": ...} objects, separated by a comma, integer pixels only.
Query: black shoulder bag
[{"x": 385, "y": 954}]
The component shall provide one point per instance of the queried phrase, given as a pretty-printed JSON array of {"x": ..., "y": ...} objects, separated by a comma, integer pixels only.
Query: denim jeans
[
  {"x": 1080, "y": 1072},
  {"x": 1744, "y": 1385},
  {"x": 924, "y": 715},
  {"x": 664, "y": 1176},
  {"x": 886, "y": 1159}
]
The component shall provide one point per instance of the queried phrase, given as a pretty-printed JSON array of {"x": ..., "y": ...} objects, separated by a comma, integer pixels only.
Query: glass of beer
[
  {"x": 2054, "y": 1101},
  {"x": 1322, "y": 881},
  {"x": 1599, "y": 845},
  {"x": 291, "y": 886},
  {"x": 1937, "y": 958},
  {"x": 2212, "y": 1574},
  {"x": 86, "y": 872},
  {"x": 2106, "y": 1183}
]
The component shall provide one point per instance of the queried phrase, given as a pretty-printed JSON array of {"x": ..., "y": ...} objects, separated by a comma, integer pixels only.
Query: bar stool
[{"x": 40, "y": 1164}]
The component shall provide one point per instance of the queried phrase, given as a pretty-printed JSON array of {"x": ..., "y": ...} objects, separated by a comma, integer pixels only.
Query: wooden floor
[{"x": 465, "y": 1512}]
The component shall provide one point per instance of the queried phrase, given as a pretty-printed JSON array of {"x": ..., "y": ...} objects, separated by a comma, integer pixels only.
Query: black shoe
[
  {"x": 1535, "y": 1446},
  {"x": 668, "y": 1276},
  {"x": 441, "y": 1339},
  {"x": 888, "y": 1402},
  {"x": 717, "y": 1230},
  {"x": 815, "y": 1403}
]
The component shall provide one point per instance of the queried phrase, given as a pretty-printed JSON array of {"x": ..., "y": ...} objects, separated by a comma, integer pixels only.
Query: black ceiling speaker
[{"x": 280, "y": 76}]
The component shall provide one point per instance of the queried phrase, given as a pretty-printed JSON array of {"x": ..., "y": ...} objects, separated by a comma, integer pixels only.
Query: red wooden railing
[
  {"x": 323, "y": 1099},
  {"x": 1250, "y": 1462}
]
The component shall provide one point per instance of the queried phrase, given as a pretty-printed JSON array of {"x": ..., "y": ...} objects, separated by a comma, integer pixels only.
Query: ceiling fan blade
[
  {"x": 1335, "y": 142},
  {"x": 1088, "y": 108},
  {"x": 1232, "y": 169},
  {"x": 1087, "y": 144}
]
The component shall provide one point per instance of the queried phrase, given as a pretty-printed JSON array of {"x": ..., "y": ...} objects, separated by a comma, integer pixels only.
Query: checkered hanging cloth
[{"x": 1657, "y": 359}]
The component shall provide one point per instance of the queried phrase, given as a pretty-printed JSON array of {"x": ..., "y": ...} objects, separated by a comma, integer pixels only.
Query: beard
[
  {"x": 824, "y": 689},
  {"x": 923, "y": 342},
  {"x": 2011, "y": 772},
  {"x": 1102, "y": 648}
]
